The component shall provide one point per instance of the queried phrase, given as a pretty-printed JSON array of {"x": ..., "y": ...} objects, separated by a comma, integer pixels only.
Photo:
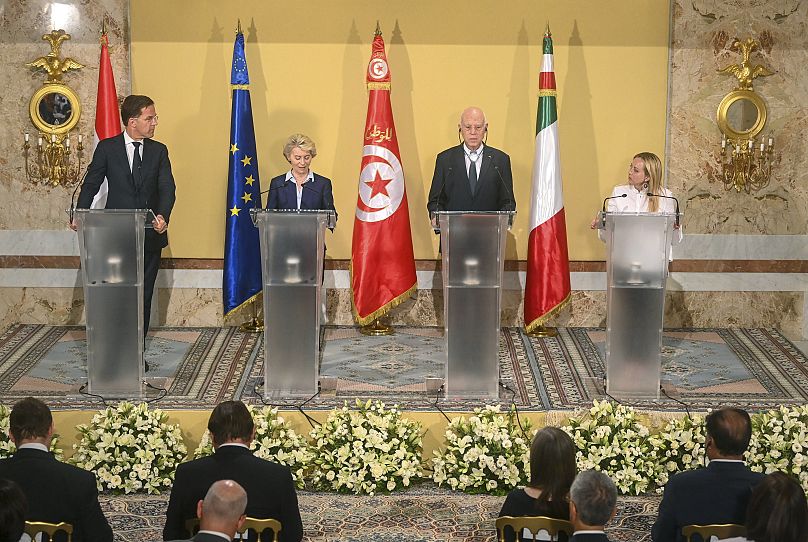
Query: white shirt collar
[
  {"x": 726, "y": 461},
  {"x": 588, "y": 532},
  {"x": 127, "y": 139},
  {"x": 216, "y": 533},
  {"x": 478, "y": 152},
  {"x": 233, "y": 444},
  {"x": 34, "y": 446},
  {"x": 291, "y": 177}
]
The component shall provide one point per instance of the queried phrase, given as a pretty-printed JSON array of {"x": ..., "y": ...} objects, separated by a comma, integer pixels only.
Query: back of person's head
[
  {"x": 229, "y": 421},
  {"x": 595, "y": 496},
  {"x": 552, "y": 464},
  {"x": 777, "y": 511},
  {"x": 730, "y": 430},
  {"x": 30, "y": 419},
  {"x": 223, "y": 508},
  {"x": 133, "y": 105},
  {"x": 13, "y": 508}
]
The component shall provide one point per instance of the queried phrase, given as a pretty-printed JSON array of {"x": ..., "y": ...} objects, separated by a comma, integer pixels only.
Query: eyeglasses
[{"x": 149, "y": 119}]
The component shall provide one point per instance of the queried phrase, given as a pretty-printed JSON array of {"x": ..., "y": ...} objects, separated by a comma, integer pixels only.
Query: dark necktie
[
  {"x": 472, "y": 175},
  {"x": 137, "y": 174}
]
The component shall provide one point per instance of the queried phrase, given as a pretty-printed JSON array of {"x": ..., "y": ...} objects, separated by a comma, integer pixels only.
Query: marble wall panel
[
  {"x": 22, "y": 24},
  {"x": 702, "y": 33}
]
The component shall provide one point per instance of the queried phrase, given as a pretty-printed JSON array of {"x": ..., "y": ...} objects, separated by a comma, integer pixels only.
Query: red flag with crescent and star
[{"x": 382, "y": 259}]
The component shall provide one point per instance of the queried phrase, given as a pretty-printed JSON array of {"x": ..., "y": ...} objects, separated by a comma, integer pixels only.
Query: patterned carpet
[
  {"x": 199, "y": 367},
  {"x": 422, "y": 514}
]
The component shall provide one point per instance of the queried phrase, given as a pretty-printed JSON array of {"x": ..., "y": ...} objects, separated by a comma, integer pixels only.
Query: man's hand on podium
[
  {"x": 73, "y": 225},
  {"x": 160, "y": 224}
]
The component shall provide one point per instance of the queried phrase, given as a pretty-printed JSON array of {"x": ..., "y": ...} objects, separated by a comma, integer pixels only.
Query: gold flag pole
[
  {"x": 254, "y": 324},
  {"x": 376, "y": 329},
  {"x": 542, "y": 332}
]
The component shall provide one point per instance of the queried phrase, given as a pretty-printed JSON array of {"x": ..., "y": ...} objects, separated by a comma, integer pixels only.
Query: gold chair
[
  {"x": 534, "y": 524},
  {"x": 257, "y": 525},
  {"x": 32, "y": 528},
  {"x": 725, "y": 530}
]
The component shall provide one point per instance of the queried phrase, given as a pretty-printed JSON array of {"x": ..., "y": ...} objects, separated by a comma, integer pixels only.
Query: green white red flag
[
  {"x": 382, "y": 258},
  {"x": 547, "y": 287}
]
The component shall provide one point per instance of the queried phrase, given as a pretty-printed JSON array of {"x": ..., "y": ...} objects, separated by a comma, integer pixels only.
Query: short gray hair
[
  {"x": 595, "y": 497},
  {"x": 302, "y": 142},
  {"x": 225, "y": 501}
]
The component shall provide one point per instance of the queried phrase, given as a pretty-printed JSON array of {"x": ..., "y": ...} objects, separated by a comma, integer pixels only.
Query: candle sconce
[
  {"x": 55, "y": 110},
  {"x": 746, "y": 154}
]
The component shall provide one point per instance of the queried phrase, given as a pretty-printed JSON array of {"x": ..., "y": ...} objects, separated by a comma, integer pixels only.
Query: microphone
[
  {"x": 508, "y": 192},
  {"x": 436, "y": 229},
  {"x": 603, "y": 209},
  {"x": 271, "y": 188},
  {"x": 676, "y": 221},
  {"x": 73, "y": 202}
]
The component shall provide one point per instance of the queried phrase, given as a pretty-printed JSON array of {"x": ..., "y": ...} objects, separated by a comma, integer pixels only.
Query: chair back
[
  {"x": 534, "y": 524},
  {"x": 33, "y": 528},
  {"x": 255, "y": 524},
  {"x": 722, "y": 530}
]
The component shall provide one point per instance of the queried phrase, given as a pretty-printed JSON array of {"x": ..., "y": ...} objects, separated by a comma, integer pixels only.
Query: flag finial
[
  {"x": 238, "y": 27},
  {"x": 378, "y": 29},
  {"x": 547, "y": 30},
  {"x": 104, "y": 26}
]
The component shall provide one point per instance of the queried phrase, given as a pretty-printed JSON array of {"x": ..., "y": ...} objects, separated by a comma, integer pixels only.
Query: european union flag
[{"x": 242, "y": 248}]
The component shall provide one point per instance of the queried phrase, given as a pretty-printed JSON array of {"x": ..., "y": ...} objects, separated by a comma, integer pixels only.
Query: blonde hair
[
  {"x": 302, "y": 142},
  {"x": 653, "y": 172}
]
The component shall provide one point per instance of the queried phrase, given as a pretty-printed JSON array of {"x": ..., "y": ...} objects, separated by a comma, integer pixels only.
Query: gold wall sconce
[
  {"x": 55, "y": 110},
  {"x": 746, "y": 154}
]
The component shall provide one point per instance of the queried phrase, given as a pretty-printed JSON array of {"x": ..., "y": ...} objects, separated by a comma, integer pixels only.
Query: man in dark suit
[
  {"x": 269, "y": 486},
  {"x": 138, "y": 174},
  {"x": 717, "y": 494},
  {"x": 55, "y": 491},
  {"x": 221, "y": 513},
  {"x": 593, "y": 501},
  {"x": 472, "y": 176}
]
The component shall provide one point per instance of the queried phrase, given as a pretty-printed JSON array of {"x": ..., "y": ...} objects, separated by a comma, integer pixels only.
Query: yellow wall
[{"x": 307, "y": 63}]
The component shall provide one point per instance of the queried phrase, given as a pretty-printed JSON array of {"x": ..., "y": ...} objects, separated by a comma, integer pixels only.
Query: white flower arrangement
[
  {"x": 130, "y": 448},
  {"x": 780, "y": 443},
  {"x": 611, "y": 439},
  {"x": 7, "y": 447},
  {"x": 366, "y": 450},
  {"x": 488, "y": 453},
  {"x": 275, "y": 440},
  {"x": 679, "y": 446}
]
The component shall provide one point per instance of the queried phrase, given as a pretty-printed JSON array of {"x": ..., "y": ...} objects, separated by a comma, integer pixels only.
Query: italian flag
[{"x": 547, "y": 288}]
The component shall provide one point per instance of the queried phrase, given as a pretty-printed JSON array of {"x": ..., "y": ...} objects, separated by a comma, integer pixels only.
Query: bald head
[
  {"x": 222, "y": 510},
  {"x": 473, "y": 127}
]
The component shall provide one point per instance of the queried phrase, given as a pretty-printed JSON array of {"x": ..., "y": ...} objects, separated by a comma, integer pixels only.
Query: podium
[
  {"x": 292, "y": 253},
  {"x": 111, "y": 245},
  {"x": 638, "y": 249},
  {"x": 472, "y": 245}
]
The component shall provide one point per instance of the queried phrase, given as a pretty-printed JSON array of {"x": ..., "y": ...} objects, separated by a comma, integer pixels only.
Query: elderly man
[
  {"x": 472, "y": 176},
  {"x": 269, "y": 486},
  {"x": 593, "y": 500},
  {"x": 221, "y": 513},
  {"x": 55, "y": 491},
  {"x": 717, "y": 494}
]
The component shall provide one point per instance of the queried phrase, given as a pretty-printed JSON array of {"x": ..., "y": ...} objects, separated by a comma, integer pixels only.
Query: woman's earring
[{"x": 645, "y": 185}]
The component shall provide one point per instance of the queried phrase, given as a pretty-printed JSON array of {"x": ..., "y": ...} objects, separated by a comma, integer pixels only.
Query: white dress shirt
[
  {"x": 291, "y": 177},
  {"x": 130, "y": 149},
  {"x": 474, "y": 156}
]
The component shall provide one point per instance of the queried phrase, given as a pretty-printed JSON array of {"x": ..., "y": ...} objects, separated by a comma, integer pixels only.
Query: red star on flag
[{"x": 378, "y": 185}]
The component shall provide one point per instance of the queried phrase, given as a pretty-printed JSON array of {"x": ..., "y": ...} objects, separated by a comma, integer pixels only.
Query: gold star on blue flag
[{"x": 242, "y": 248}]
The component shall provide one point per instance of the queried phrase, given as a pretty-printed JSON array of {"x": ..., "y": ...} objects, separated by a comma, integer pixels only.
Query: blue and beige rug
[
  {"x": 421, "y": 514},
  {"x": 200, "y": 367}
]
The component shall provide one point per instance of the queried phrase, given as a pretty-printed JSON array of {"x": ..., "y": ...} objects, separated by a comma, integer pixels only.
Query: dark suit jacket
[
  {"x": 269, "y": 486},
  {"x": 590, "y": 537},
  {"x": 58, "y": 492},
  {"x": 717, "y": 494},
  {"x": 156, "y": 192},
  {"x": 450, "y": 189},
  {"x": 317, "y": 194}
]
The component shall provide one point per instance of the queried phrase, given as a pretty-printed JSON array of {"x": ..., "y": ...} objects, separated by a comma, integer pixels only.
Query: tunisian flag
[
  {"x": 107, "y": 114},
  {"x": 547, "y": 287},
  {"x": 382, "y": 260}
]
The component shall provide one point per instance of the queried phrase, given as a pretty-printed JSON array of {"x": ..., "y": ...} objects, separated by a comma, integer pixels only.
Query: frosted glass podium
[
  {"x": 111, "y": 246},
  {"x": 292, "y": 252},
  {"x": 472, "y": 245},
  {"x": 638, "y": 249}
]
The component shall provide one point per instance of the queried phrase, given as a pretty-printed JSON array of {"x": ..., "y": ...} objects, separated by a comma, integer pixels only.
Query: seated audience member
[
  {"x": 221, "y": 513},
  {"x": 13, "y": 507},
  {"x": 269, "y": 486},
  {"x": 55, "y": 491},
  {"x": 552, "y": 470},
  {"x": 593, "y": 503},
  {"x": 717, "y": 494},
  {"x": 777, "y": 512}
]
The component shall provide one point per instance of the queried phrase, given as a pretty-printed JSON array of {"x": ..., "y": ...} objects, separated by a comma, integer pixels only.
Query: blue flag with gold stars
[{"x": 242, "y": 248}]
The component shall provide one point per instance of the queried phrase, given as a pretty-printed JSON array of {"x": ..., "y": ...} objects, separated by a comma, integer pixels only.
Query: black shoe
[{"x": 146, "y": 366}]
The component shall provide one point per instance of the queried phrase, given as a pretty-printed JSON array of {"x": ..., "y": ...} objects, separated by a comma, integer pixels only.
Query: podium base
[
  {"x": 253, "y": 325},
  {"x": 376, "y": 329},
  {"x": 543, "y": 332}
]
